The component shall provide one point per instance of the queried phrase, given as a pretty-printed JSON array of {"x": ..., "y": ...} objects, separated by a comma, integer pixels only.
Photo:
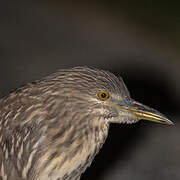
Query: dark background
[{"x": 138, "y": 40}]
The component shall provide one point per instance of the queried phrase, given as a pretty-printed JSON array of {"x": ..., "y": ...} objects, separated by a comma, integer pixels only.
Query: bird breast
[{"x": 74, "y": 160}]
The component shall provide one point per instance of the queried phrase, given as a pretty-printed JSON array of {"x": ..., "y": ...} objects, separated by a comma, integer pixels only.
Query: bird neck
[{"x": 73, "y": 150}]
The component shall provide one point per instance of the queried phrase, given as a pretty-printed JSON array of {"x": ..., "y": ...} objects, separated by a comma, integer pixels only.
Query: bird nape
[{"x": 51, "y": 129}]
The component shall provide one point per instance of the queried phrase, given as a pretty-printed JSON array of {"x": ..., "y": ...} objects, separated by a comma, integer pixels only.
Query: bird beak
[{"x": 141, "y": 111}]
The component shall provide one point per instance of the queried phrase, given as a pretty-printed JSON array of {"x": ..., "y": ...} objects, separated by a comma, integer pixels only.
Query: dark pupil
[{"x": 103, "y": 95}]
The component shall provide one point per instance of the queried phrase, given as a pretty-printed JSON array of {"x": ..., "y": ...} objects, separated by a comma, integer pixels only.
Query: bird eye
[{"x": 103, "y": 95}]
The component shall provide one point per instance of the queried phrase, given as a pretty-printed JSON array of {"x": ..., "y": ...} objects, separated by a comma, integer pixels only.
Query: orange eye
[{"x": 103, "y": 95}]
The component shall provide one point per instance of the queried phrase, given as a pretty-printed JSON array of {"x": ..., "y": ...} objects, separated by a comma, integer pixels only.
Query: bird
[{"x": 52, "y": 128}]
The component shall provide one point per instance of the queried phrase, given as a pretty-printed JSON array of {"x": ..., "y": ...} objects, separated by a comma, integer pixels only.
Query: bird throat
[{"x": 90, "y": 148}]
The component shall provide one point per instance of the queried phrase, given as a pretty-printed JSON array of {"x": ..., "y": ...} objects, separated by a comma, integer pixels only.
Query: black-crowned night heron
[{"x": 51, "y": 129}]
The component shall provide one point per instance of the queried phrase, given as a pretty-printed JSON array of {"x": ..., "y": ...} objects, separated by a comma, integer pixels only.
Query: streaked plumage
[{"x": 51, "y": 129}]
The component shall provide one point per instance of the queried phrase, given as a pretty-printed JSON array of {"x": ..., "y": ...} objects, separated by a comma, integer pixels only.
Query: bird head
[
  {"x": 102, "y": 94},
  {"x": 80, "y": 103}
]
